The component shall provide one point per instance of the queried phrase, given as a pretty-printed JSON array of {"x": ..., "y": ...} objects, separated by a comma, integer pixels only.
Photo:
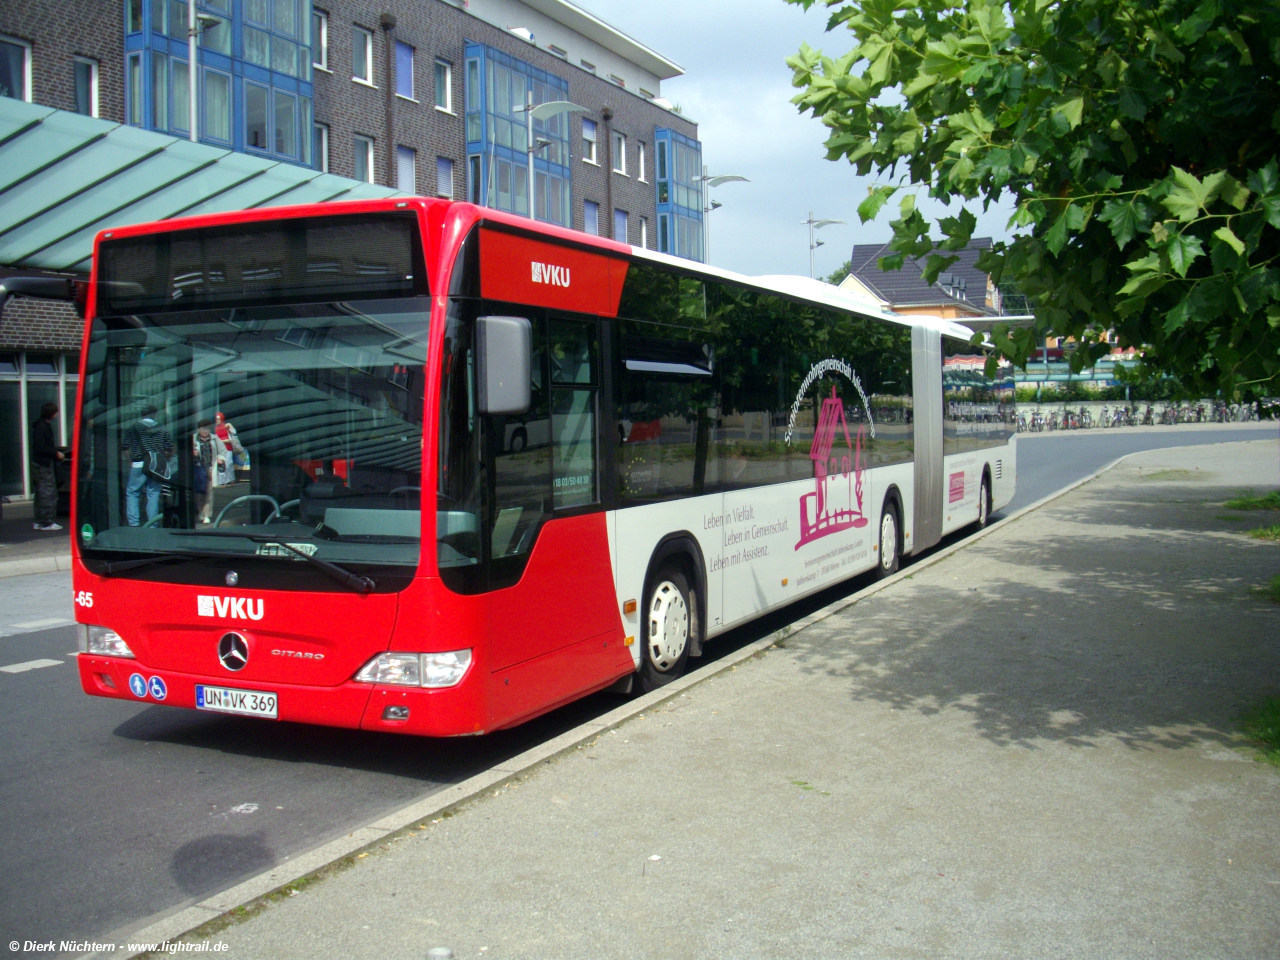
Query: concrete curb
[
  {"x": 27, "y": 565},
  {"x": 189, "y": 919}
]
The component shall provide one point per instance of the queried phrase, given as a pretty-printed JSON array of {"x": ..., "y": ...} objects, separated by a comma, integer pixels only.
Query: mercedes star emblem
[{"x": 233, "y": 651}]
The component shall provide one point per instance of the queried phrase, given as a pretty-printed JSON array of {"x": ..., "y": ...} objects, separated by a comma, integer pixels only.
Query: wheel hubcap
[
  {"x": 668, "y": 626},
  {"x": 888, "y": 541},
  {"x": 982, "y": 504}
]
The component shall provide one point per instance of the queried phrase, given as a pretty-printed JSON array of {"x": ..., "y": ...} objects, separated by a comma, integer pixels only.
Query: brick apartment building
[{"x": 423, "y": 96}]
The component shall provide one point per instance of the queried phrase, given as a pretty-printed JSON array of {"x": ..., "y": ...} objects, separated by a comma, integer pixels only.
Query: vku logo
[
  {"x": 550, "y": 273},
  {"x": 229, "y": 608}
]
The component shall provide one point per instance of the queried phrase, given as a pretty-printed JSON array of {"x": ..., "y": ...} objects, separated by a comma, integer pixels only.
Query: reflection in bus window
[{"x": 978, "y": 411}]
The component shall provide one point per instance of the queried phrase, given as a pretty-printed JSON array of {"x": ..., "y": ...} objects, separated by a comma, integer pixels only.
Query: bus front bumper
[{"x": 449, "y": 712}]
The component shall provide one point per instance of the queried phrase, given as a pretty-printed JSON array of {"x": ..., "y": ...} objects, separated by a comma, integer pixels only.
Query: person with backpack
[
  {"x": 149, "y": 447},
  {"x": 45, "y": 452}
]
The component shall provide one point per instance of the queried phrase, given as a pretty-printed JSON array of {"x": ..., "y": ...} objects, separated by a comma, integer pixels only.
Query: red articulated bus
[{"x": 469, "y": 467}]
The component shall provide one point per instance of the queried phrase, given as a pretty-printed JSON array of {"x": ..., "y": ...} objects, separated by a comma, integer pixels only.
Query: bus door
[{"x": 551, "y": 572}]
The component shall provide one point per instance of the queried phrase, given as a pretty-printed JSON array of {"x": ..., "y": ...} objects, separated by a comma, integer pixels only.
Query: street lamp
[
  {"x": 196, "y": 23},
  {"x": 711, "y": 181},
  {"x": 813, "y": 243},
  {"x": 543, "y": 111}
]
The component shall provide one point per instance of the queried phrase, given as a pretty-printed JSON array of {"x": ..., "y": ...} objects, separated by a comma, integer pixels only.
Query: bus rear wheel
[
  {"x": 888, "y": 564},
  {"x": 669, "y": 622},
  {"x": 984, "y": 503}
]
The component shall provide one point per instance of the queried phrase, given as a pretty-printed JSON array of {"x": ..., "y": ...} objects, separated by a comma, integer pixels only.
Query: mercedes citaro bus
[{"x": 480, "y": 466}]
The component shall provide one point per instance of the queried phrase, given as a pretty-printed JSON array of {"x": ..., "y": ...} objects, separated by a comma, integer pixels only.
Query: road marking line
[
  {"x": 37, "y": 624},
  {"x": 29, "y": 665}
]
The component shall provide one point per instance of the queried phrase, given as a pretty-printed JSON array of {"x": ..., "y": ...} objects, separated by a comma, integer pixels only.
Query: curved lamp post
[
  {"x": 711, "y": 181},
  {"x": 543, "y": 111},
  {"x": 813, "y": 243}
]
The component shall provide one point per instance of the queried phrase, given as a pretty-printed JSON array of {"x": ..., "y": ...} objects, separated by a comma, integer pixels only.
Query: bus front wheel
[
  {"x": 984, "y": 503},
  {"x": 669, "y": 621},
  {"x": 888, "y": 564}
]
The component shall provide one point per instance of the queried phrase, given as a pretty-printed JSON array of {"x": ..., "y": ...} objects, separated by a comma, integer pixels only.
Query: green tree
[
  {"x": 837, "y": 276},
  {"x": 1137, "y": 138}
]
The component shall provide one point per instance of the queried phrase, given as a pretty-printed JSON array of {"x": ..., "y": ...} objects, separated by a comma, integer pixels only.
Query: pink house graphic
[{"x": 836, "y": 501}]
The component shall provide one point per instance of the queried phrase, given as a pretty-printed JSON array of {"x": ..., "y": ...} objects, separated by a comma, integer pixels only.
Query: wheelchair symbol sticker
[
  {"x": 157, "y": 688},
  {"x": 138, "y": 686}
]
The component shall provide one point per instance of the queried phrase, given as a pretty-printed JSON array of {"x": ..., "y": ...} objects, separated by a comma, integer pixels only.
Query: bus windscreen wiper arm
[
  {"x": 120, "y": 566},
  {"x": 341, "y": 574}
]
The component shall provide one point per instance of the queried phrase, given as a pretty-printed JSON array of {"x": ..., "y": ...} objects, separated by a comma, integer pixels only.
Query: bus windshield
[{"x": 296, "y": 424}]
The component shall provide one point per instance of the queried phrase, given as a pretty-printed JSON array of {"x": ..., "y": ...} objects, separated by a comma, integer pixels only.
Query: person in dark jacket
[{"x": 44, "y": 453}]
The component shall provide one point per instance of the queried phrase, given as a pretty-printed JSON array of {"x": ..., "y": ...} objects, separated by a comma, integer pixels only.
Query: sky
[{"x": 737, "y": 88}]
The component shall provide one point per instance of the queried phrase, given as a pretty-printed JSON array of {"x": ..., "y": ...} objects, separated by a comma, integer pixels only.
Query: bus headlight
[
  {"x": 444, "y": 669},
  {"x": 416, "y": 669},
  {"x": 102, "y": 641}
]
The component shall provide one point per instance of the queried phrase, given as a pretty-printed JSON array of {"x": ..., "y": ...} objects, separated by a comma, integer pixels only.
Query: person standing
[
  {"x": 230, "y": 444},
  {"x": 209, "y": 452},
  {"x": 142, "y": 440},
  {"x": 44, "y": 454}
]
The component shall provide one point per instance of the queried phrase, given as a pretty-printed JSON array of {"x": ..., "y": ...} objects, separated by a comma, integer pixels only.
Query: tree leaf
[
  {"x": 1233, "y": 191},
  {"x": 1228, "y": 237},
  {"x": 1072, "y": 109},
  {"x": 869, "y": 208},
  {"x": 1186, "y": 197},
  {"x": 1183, "y": 249},
  {"x": 1056, "y": 238}
]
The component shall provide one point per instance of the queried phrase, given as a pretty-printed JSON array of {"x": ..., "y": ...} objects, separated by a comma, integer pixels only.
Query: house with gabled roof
[{"x": 961, "y": 292}]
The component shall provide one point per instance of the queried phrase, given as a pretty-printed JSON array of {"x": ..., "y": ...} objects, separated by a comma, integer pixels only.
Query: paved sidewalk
[
  {"x": 24, "y": 550},
  {"x": 1028, "y": 749}
]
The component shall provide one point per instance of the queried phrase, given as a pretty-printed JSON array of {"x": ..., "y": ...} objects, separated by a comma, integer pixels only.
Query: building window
[
  {"x": 406, "y": 169},
  {"x": 646, "y": 94},
  {"x": 286, "y": 124},
  {"x": 498, "y": 89},
  {"x": 558, "y": 51},
  {"x": 135, "y": 90},
  {"x": 84, "y": 74},
  {"x": 133, "y": 16},
  {"x": 27, "y": 382},
  {"x": 589, "y": 67},
  {"x": 619, "y": 153},
  {"x": 170, "y": 94},
  {"x": 644, "y": 232},
  {"x": 320, "y": 146},
  {"x": 620, "y": 226},
  {"x": 361, "y": 55},
  {"x": 444, "y": 177},
  {"x": 15, "y": 69},
  {"x": 640, "y": 158},
  {"x": 591, "y": 217},
  {"x": 589, "y": 140},
  {"x": 255, "y": 116},
  {"x": 364, "y": 159},
  {"x": 473, "y": 179},
  {"x": 614, "y": 78},
  {"x": 217, "y": 106},
  {"x": 444, "y": 86},
  {"x": 404, "y": 70},
  {"x": 320, "y": 39},
  {"x": 679, "y": 194}
]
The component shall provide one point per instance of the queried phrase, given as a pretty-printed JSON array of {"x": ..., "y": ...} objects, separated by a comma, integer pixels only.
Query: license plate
[{"x": 248, "y": 703}]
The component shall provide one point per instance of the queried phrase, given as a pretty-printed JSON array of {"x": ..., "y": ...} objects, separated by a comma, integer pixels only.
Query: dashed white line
[
  {"x": 38, "y": 624},
  {"x": 29, "y": 665}
]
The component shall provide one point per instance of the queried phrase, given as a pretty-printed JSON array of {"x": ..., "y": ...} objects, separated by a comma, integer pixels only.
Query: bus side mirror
[{"x": 504, "y": 347}]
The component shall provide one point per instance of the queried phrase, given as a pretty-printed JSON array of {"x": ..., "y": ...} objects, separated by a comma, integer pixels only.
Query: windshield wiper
[
  {"x": 111, "y": 567},
  {"x": 341, "y": 574}
]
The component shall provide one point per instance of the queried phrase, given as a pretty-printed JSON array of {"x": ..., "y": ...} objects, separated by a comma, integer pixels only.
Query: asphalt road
[{"x": 115, "y": 812}]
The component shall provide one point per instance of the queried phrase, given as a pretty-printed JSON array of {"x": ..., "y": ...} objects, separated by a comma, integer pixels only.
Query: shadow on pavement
[{"x": 1067, "y": 632}]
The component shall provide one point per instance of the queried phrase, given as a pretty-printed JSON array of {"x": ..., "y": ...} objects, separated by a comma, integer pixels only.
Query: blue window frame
[
  {"x": 498, "y": 88},
  {"x": 246, "y": 47},
  {"x": 677, "y": 183}
]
